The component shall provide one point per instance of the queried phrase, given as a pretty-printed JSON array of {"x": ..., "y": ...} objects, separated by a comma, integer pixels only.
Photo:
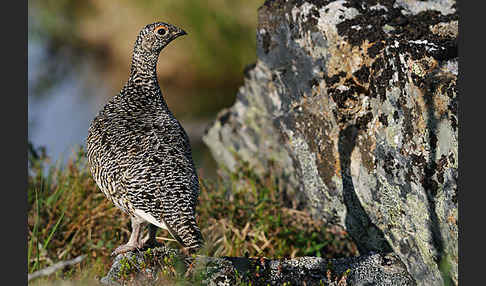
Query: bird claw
[
  {"x": 124, "y": 248},
  {"x": 150, "y": 243}
]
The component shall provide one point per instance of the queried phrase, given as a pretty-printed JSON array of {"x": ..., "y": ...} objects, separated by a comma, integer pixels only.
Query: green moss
[{"x": 125, "y": 267}]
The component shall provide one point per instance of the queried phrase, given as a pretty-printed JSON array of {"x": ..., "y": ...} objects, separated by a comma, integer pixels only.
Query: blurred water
[{"x": 59, "y": 118}]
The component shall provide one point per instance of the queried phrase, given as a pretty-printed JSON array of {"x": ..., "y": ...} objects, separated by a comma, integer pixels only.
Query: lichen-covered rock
[
  {"x": 141, "y": 266},
  {"x": 134, "y": 268},
  {"x": 356, "y": 102}
]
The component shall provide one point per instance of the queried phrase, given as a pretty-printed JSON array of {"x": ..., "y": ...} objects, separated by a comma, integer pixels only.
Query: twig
[
  {"x": 53, "y": 268},
  {"x": 164, "y": 238}
]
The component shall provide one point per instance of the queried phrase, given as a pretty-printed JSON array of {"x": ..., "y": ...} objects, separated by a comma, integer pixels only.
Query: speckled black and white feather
[{"x": 138, "y": 152}]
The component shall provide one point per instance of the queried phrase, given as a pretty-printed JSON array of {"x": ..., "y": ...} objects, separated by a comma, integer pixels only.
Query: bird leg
[
  {"x": 150, "y": 239},
  {"x": 134, "y": 241}
]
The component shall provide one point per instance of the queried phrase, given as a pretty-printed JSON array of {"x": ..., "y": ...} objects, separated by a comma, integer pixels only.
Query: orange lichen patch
[
  {"x": 337, "y": 166},
  {"x": 363, "y": 50},
  {"x": 342, "y": 50},
  {"x": 441, "y": 103},
  {"x": 316, "y": 90},
  {"x": 335, "y": 64},
  {"x": 451, "y": 219},
  {"x": 320, "y": 141},
  {"x": 450, "y": 29},
  {"x": 366, "y": 45},
  {"x": 366, "y": 60},
  {"x": 358, "y": 58},
  {"x": 420, "y": 119},
  {"x": 367, "y": 149},
  {"x": 440, "y": 99}
]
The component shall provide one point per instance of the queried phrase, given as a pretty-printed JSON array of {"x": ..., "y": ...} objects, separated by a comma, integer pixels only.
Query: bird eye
[{"x": 161, "y": 31}]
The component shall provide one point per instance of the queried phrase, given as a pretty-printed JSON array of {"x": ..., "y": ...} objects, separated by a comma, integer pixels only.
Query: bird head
[{"x": 154, "y": 37}]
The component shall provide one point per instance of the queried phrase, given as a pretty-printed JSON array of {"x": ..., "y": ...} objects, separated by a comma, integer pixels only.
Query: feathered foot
[{"x": 134, "y": 241}]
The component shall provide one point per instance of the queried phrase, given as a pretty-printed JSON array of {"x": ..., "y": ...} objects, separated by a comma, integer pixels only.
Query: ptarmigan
[{"x": 139, "y": 154}]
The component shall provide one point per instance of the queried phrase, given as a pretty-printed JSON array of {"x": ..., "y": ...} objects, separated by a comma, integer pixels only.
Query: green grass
[
  {"x": 67, "y": 215},
  {"x": 243, "y": 215}
]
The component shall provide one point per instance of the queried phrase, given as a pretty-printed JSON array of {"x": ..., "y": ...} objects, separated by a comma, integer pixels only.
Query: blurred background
[{"x": 79, "y": 54}]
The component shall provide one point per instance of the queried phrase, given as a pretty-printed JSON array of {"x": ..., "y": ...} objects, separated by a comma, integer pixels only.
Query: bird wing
[{"x": 161, "y": 179}]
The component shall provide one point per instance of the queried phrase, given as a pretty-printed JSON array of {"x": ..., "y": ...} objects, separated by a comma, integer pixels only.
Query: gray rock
[
  {"x": 372, "y": 269},
  {"x": 357, "y": 106}
]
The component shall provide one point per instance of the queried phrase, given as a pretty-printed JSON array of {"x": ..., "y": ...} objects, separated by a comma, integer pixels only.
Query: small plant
[
  {"x": 247, "y": 216},
  {"x": 125, "y": 268}
]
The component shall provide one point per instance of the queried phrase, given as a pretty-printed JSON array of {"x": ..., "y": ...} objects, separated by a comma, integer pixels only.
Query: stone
[
  {"x": 140, "y": 267},
  {"x": 356, "y": 104}
]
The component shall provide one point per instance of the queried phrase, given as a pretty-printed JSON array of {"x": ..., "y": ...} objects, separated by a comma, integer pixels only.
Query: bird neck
[
  {"x": 143, "y": 78},
  {"x": 143, "y": 68}
]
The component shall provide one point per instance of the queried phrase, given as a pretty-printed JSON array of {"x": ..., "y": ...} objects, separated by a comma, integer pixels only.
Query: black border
[
  {"x": 471, "y": 108},
  {"x": 14, "y": 141}
]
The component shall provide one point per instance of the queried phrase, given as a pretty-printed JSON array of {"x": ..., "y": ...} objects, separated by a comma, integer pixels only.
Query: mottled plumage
[{"x": 139, "y": 154}]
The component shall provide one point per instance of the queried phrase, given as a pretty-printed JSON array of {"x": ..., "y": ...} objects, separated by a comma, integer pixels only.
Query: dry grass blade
[
  {"x": 165, "y": 238},
  {"x": 51, "y": 269}
]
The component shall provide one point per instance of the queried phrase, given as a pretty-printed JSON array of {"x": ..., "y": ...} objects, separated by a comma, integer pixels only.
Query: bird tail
[
  {"x": 193, "y": 239},
  {"x": 188, "y": 235}
]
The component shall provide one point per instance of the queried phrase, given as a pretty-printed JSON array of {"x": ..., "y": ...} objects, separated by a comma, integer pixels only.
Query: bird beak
[{"x": 181, "y": 33}]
